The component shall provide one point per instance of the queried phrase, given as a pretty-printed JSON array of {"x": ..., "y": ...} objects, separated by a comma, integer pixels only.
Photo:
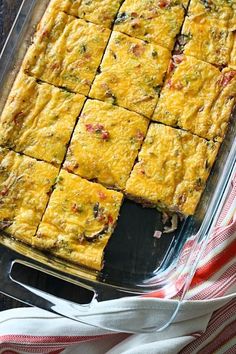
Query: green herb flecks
[{"x": 122, "y": 17}]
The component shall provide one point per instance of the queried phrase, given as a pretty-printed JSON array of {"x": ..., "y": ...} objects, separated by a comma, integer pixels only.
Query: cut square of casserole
[
  {"x": 131, "y": 74},
  {"x": 25, "y": 185},
  {"x": 66, "y": 51},
  {"x": 101, "y": 12},
  {"x": 207, "y": 39},
  {"x": 79, "y": 220},
  {"x": 105, "y": 143},
  {"x": 215, "y": 9},
  {"x": 197, "y": 97},
  {"x": 153, "y": 21},
  {"x": 38, "y": 119},
  {"x": 172, "y": 169}
]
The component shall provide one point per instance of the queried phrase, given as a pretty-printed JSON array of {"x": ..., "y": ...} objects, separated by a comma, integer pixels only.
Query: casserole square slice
[
  {"x": 66, "y": 51},
  {"x": 25, "y": 186},
  {"x": 101, "y": 12},
  {"x": 207, "y": 39},
  {"x": 105, "y": 143},
  {"x": 215, "y": 9},
  {"x": 79, "y": 220},
  {"x": 38, "y": 119},
  {"x": 131, "y": 74},
  {"x": 197, "y": 97},
  {"x": 153, "y": 21},
  {"x": 172, "y": 169}
]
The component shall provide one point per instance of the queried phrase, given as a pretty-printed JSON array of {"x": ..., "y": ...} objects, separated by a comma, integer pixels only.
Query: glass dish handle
[
  {"x": 76, "y": 311},
  {"x": 15, "y": 288},
  {"x": 89, "y": 313},
  {"x": 30, "y": 295}
]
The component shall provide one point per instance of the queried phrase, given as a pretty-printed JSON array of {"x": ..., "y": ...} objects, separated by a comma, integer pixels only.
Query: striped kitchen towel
[{"x": 205, "y": 322}]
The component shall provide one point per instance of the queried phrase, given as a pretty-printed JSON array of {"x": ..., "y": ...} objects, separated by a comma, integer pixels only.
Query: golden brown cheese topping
[
  {"x": 38, "y": 119},
  {"x": 66, "y": 51},
  {"x": 172, "y": 169},
  {"x": 132, "y": 74},
  {"x": 105, "y": 143},
  {"x": 25, "y": 186},
  {"x": 79, "y": 220},
  {"x": 101, "y": 12},
  {"x": 207, "y": 39},
  {"x": 155, "y": 21},
  {"x": 197, "y": 97},
  {"x": 216, "y": 9},
  {"x": 232, "y": 59}
]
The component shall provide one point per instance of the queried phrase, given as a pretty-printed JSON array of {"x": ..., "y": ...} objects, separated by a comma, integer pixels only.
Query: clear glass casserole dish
[{"x": 136, "y": 263}]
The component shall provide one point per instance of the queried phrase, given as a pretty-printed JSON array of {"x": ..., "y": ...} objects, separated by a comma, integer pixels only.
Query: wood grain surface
[{"x": 8, "y": 11}]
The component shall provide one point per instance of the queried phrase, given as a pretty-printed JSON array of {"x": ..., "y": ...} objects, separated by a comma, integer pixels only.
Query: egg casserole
[
  {"x": 25, "y": 186},
  {"x": 207, "y": 39},
  {"x": 79, "y": 220},
  {"x": 66, "y": 51},
  {"x": 153, "y": 21},
  {"x": 114, "y": 99},
  {"x": 42, "y": 125},
  {"x": 105, "y": 143},
  {"x": 197, "y": 97},
  {"x": 131, "y": 74},
  {"x": 216, "y": 9},
  {"x": 172, "y": 169},
  {"x": 101, "y": 12},
  {"x": 232, "y": 59}
]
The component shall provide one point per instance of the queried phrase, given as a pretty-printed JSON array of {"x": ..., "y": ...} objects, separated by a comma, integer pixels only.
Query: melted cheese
[
  {"x": 105, "y": 143},
  {"x": 232, "y": 60},
  {"x": 154, "y": 21},
  {"x": 101, "y": 12},
  {"x": 207, "y": 39},
  {"x": 66, "y": 51},
  {"x": 40, "y": 126},
  {"x": 215, "y": 9},
  {"x": 24, "y": 192},
  {"x": 197, "y": 97},
  {"x": 131, "y": 74},
  {"x": 172, "y": 169},
  {"x": 79, "y": 220}
]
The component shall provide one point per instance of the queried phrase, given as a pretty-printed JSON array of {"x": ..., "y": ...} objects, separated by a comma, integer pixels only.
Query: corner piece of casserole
[{"x": 66, "y": 51}]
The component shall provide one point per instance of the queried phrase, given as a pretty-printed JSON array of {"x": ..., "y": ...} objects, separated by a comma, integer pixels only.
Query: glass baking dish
[{"x": 136, "y": 263}]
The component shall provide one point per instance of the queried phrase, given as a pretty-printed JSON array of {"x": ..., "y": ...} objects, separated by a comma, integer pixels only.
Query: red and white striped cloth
[{"x": 205, "y": 323}]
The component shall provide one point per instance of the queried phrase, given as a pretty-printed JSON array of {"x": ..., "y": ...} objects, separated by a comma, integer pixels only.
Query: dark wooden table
[{"x": 8, "y": 11}]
